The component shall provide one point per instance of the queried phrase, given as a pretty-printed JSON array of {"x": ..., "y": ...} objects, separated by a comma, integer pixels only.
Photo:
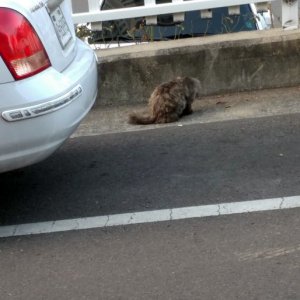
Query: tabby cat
[{"x": 169, "y": 101}]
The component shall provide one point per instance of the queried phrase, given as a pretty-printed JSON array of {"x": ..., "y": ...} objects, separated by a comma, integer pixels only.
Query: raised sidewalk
[{"x": 219, "y": 108}]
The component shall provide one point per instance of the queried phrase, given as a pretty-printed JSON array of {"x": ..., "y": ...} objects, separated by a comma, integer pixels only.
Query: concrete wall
[{"x": 225, "y": 63}]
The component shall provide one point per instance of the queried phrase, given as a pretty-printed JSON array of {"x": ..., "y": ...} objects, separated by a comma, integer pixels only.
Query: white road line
[{"x": 151, "y": 216}]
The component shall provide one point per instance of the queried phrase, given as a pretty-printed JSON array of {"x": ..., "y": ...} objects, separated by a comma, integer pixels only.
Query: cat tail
[{"x": 142, "y": 119}]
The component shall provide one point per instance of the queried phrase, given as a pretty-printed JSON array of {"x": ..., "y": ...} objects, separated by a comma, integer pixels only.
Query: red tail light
[{"x": 20, "y": 46}]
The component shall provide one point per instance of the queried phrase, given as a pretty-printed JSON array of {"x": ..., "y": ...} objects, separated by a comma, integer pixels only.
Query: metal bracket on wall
[
  {"x": 206, "y": 13},
  {"x": 234, "y": 10}
]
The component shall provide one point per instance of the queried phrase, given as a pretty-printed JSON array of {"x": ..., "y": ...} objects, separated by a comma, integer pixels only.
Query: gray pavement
[
  {"x": 233, "y": 148},
  {"x": 249, "y": 256}
]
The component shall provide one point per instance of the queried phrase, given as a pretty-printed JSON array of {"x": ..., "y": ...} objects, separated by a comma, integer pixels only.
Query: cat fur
[{"x": 169, "y": 101}]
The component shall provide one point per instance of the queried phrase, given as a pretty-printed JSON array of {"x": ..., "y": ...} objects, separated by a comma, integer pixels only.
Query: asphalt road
[
  {"x": 161, "y": 168},
  {"x": 247, "y": 256}
]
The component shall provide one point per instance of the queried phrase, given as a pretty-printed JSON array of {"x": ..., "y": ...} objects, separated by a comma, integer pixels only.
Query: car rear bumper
[{"x": 41, "y": 112}]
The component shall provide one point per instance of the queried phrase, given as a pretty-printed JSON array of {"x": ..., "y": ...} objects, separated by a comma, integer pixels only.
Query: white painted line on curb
[{"x": 151, "y": 216}]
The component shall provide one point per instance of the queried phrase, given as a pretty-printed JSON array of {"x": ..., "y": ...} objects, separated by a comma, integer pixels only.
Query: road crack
[
  {"x": 219, "y": 209},
  {"x": 105, "y": 225},
  {"x": 281, "y": 203}
]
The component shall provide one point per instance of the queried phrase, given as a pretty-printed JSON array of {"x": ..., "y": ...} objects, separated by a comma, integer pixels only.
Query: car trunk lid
[{"x": 58, "y": 37}]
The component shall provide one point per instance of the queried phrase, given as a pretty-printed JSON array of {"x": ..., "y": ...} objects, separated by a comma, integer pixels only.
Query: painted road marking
[{"x": 151, "y": 216}]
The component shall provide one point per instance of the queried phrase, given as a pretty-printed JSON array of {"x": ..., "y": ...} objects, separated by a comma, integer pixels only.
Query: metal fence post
[
  {"x": 150, "y": 20},
  {"x": 180, "y": 16},
  {"x": 285, "y": 13},
  {"x": 95, "y": 6},
  {"x": 290, "y": 18}
]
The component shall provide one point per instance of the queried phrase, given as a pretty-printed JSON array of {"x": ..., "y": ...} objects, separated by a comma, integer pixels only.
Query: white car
[{"x": 48, "y": 80}]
